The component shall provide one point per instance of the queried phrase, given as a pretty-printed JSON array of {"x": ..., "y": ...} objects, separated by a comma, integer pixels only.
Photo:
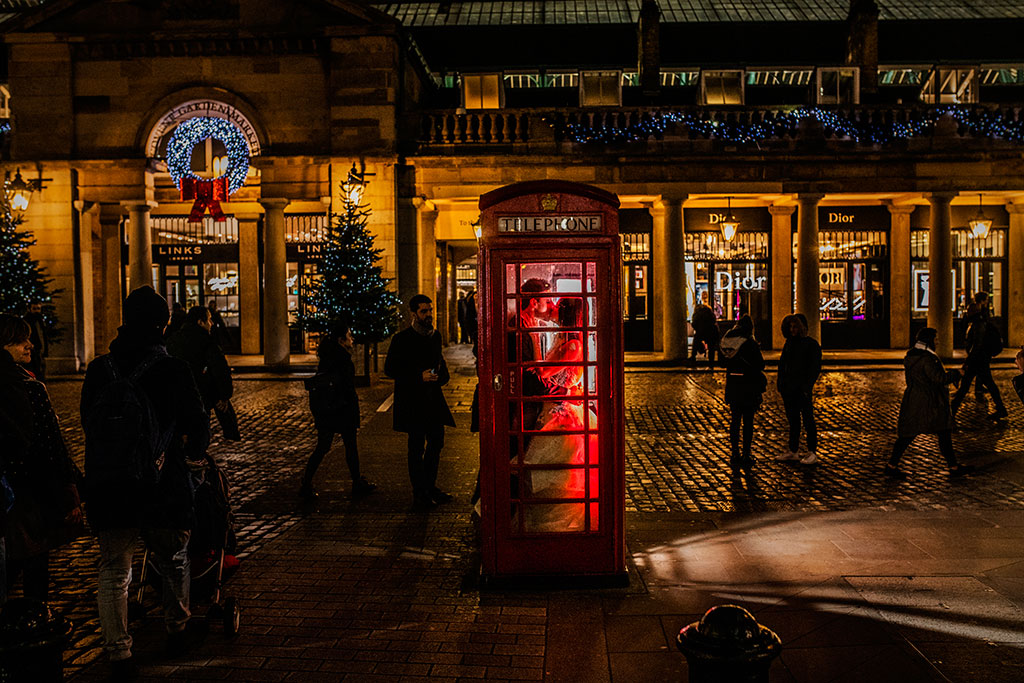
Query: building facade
[{"x": 823, "y": 161}]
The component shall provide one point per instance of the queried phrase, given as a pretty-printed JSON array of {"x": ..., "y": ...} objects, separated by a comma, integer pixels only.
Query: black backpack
[
  {"x": 123, "y": 441},
  {"x": 993, "y": 340}
]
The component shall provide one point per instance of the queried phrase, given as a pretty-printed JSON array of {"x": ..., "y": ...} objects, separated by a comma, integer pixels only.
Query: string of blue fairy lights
[{"x": 867, "y": 130}]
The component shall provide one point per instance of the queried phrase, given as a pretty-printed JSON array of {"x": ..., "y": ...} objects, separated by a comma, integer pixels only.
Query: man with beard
[{"x": 417, "y": 365}]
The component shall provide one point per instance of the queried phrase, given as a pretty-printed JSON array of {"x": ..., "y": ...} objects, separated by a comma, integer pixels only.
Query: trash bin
[
  {"x": 32, "y": 641},
  {"x": 728, "y": 644}
]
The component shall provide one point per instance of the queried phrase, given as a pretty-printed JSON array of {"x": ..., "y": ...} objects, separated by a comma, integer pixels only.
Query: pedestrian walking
[
  {"x": 745, "y": 383},
  {"x": 924, "y": 408},
  {"x": 143, "y": 419},
  {"x": 705, "y": 331},
  {"x": 461, "y": 312},
  {"x": 417, "y": 365},
  {"x": 45, "y": 512},
  {"x": 799, "y": 367},
  {"x": 195, "y": 344},
  {"x": 471, "y": 320},
  {"x": 177, "y": 319},
  {"x": 335, "y": 406},
  {"x": 984, "y": 342},
  {"x": 40, "y": 338}
]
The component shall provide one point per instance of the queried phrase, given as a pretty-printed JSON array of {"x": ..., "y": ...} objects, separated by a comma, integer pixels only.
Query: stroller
[{"x": 211, "y": 547}]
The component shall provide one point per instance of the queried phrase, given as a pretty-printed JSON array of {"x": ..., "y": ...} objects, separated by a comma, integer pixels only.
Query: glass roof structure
[{"x": 561, "y": 12}]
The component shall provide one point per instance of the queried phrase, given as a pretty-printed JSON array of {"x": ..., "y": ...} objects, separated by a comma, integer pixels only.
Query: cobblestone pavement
[{"x": 677, "y": 453}]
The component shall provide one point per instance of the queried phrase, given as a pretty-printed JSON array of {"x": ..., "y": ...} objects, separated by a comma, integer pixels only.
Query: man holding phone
[{"x": 417, "y": 365}]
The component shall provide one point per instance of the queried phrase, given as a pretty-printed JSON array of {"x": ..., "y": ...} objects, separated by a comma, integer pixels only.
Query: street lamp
[
  {"x": 18, "y": 191},
  {"x": 730, "y": 224},
  {"x": 980, "y": 224},
  {"x": 478, "y": 229},
  {"x": 354, "y": 185}
]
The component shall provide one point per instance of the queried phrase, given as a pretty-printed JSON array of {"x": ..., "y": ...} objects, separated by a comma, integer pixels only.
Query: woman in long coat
[
  {"x": 335, "y": 406},
  {"x": 745, "y": 383},
  {"x": 36, "y": 464},
  {"x": 925, "y": 405}
]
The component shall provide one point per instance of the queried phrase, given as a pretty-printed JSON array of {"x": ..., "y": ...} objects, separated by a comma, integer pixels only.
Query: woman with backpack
[
  {"x": 335, "y": 407},
  {"x": 745, "y": 383},
  {"x": 984, "y": 342},
  {"x": 46, "y": 510}
]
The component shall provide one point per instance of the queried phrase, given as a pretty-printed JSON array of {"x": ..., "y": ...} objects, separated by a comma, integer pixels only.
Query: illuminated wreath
[{"x": 191, "y": 132}]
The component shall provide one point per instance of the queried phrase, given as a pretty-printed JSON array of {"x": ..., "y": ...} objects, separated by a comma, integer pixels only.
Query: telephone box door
[{"x": 552, "y": 459}]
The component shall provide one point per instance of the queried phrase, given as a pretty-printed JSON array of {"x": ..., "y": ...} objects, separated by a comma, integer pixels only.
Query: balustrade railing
[{"x": 867, "y": 124}]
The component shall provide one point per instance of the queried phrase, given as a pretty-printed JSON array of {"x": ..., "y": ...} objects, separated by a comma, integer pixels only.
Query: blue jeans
[{"x": 168, "y": 548}]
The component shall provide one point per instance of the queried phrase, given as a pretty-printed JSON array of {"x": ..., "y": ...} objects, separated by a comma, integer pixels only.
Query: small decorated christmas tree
[
  {"x": 351, "y": 287},
  {"x": 22, "y": 279}
]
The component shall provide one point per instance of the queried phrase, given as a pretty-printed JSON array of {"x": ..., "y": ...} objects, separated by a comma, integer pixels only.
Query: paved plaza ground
[{"x": 862, "y": 578}]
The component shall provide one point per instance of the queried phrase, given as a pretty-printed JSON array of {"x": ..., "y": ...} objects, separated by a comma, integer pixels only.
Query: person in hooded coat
[
  {"x": 335, "y": 406},
  {"x": 924, "y": 408},
  {"x": 745, "y": 383},
  {"x": 1018, "y": 381},
  {"x": 799, "y": 367}
]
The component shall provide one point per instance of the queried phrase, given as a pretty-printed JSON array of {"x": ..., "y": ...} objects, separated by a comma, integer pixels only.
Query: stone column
[
  {"x": 275, "y": 296},
  {"x": 140, "y": 243},
  {"x": 426, "y": 252},
  {"x": 808, "y": 280},
  {"x": 899, "y": 276},
  {"x": 940, "y": 276},
  {"x": 85, "y": 330},
  {"x": 655, "y": 295},
  {"x": 249, "y": 282},
  {"x": 782, "y": 269},
  {"x": 1015, "y": 294},
  {"x": 669, "y": 259},
  {"x": 108, "y": 277}
]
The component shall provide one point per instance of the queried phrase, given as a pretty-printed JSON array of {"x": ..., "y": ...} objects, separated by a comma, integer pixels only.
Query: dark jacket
[
  {"x": 703, "y": 320},
  {"x": 1018, "y": 386},
  {"x": 799, "y": 366},
  {"x": 745, "y": 380},
  {"x": 978, "y": 354},
  {"x": 333, "y": 398},
  {"x": 925, "y": 405},
  {"x": 418, "y": 404},
  {"x": 176, "y": 402},
  {"x": 210, "y": 369},
  {"x": 36, "y": 463}
]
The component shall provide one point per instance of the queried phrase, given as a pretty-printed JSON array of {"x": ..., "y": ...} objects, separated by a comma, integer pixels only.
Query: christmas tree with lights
[
  {"x": 22, "y": 279},
  {"x": 351, "y": 287}
]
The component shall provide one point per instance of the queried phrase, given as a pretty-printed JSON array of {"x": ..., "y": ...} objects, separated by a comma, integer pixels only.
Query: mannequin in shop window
[{"x": 563, "y": 413}]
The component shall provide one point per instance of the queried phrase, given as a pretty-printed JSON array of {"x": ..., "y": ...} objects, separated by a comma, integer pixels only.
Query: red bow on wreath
[{"x": 208, "y": 194}]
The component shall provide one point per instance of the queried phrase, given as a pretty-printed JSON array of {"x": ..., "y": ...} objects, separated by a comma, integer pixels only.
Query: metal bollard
[
  {"x": 728, "y": 644},
  {"x": 32, "y": 641}
]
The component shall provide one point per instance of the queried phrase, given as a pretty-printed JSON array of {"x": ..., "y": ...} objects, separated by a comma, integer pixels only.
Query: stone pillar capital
[
  {"x": 781, "y": 209},
  {"x": 671, "y": 200},
  {"x": 424, "y": 205},
  {"x": 1015, "y": 208},
  {"x": 944, "y": 197},
  {"x": 900, "y": 209},
  {"x": 139, "y": 205},
  {"x": 810, "y": 198},
  {"x": 274, "y": 203}
]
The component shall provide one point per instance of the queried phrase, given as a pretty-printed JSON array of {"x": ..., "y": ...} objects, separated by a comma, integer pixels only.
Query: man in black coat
[
  {"x": 121, "y": 508},
  {"x": 978, "y": 366},
  {"x": 417, "y": 365}
]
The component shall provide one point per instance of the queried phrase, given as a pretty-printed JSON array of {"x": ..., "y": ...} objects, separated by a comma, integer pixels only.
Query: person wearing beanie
[
  {"x": 924, "y": 408},
  {"x": 745, "y": 383},
  {"x": 123, "y": 507}
]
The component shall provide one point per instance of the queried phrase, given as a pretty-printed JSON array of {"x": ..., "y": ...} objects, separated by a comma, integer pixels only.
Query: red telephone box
[{"x": 552, "y": 450}]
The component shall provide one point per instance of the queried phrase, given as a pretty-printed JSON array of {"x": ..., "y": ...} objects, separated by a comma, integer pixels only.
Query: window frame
[
  {"x": 500, "y": 85},
  {"x": 836, "y": 99},
  {"x": 704, "y": 75},
  {"x": 615, "y": 74}
]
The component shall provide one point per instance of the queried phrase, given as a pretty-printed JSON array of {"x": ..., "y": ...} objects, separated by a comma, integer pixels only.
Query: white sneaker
[
  {"x": 787, "y": 455},
  {"x": 810, "y": 459}
]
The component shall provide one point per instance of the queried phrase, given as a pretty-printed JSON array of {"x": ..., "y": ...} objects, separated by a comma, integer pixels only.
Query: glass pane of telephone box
[{"x": 549, "y": 330}]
